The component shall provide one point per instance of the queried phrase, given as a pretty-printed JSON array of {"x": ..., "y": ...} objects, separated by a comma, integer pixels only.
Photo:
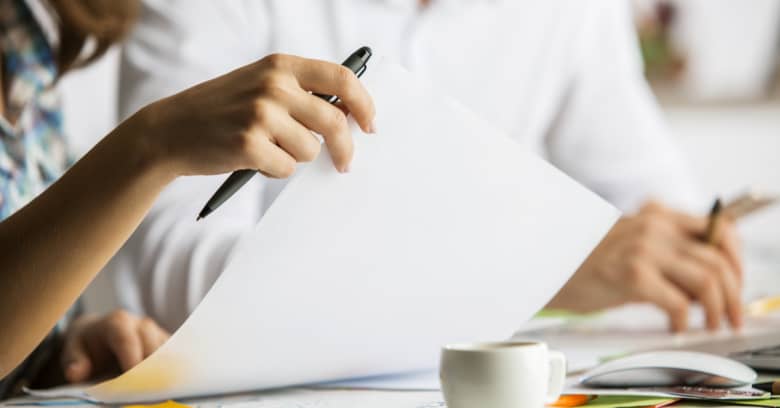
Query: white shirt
[{"x": 562, "y": 77}]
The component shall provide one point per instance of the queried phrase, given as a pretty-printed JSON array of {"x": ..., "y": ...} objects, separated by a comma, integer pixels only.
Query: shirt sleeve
[
  {"x": 171, "y": 261},
  {"x": 610, "y": 133}
]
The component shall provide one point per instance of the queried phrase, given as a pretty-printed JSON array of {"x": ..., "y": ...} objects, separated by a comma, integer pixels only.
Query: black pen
[
  {"x": 711, "y": 235},
  {"x": 356, "y": 63}
]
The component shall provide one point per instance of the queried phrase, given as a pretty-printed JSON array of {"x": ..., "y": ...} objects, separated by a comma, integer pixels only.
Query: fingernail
[
  {"x": 371, "y": 127},
  {"x": 346, "y": 169}
]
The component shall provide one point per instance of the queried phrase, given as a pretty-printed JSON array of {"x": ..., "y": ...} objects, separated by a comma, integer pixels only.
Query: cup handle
[{"x": 557, "y": 376}]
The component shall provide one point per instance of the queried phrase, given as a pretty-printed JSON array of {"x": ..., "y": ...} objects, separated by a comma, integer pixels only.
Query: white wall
[{"x": 731, "y": 149}]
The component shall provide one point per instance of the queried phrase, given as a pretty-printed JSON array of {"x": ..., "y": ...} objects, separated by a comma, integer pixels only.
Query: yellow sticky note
[
  {"x": 764, "y": 306},
  {"x": 166, "y": 404}
]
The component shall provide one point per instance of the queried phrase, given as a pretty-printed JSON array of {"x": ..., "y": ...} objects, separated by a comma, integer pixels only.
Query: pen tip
[
  {"x": 203, "y": 213},
  {"x": 717, "y": 205}
]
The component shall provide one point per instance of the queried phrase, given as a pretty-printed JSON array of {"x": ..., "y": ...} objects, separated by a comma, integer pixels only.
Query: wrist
[{"x": 143, "y": 134}]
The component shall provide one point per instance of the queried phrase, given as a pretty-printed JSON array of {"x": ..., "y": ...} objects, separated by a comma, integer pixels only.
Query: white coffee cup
[{"x": 501, "y": 375}]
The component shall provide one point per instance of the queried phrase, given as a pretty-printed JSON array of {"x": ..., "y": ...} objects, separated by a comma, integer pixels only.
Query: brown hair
[{"x": 105, "y": 21}]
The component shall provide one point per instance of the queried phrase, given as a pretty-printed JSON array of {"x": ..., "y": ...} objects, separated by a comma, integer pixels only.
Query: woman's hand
[
  {"x": 259, "y": 117},
  {"x": 113, "y": 343}
]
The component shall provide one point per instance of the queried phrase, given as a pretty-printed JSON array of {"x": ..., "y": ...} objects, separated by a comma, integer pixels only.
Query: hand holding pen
[{"x": 298, "y": 98}]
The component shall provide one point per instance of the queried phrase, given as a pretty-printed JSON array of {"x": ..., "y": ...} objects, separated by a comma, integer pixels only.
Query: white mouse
[{"x": 670, "y": 368}]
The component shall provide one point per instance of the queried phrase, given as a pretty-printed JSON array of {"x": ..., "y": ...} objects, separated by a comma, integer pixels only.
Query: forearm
[{"x": 55, "y": 245}]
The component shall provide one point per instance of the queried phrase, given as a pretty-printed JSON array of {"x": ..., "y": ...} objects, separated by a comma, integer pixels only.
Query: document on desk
[{"x": 445, "y": 230}]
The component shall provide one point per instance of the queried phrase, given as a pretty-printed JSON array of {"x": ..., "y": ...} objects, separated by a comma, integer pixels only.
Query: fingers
[
  {"x": 651, "y": 286},
  {"x": 333, "y": 79},
  {"x": 726, "y": 235},
  {"x": 285, "y": 83},
  {"x": 701, "y": 285},
  {"x": 705, "y": 275},
  {"x": 265, "y": 156},
  {"x": 709, "y": 274},
  {"x": 729, "y": 243},
  {"x": 76, "y": 363},
  {"x": 327, "y": 120},
  {"x": 152, "y": 336},
  {"x": 123, "y": 340},
  {"x": 663, "y": 241},
  {"x": 721, "y": 262},
  {"x": 296, "y": 140},
  {"x": 719, "y": 273},
  {"x": 95, "y": 346}
]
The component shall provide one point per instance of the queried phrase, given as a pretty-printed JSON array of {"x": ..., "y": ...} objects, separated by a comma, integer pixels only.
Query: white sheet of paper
[
  {"x": 285, "y": 398},
  {"x": 444, "y": 231},
  {"x": 312, "y": 398}
]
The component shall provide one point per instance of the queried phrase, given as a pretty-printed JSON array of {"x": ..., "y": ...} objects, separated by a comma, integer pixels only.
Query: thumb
[{"x": 76, "y": 363}]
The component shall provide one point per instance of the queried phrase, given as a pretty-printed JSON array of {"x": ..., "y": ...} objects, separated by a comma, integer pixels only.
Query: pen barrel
[
  {"x": 233, "y": 183},
  {"x": 356, "y": 63}
]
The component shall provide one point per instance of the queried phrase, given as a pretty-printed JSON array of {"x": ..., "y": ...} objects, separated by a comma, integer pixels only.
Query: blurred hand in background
[
  {"x": 114, "y": 343},
  {"x": 659, "y": 256}
]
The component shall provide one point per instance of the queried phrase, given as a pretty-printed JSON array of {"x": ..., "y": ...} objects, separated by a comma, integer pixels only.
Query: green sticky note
[
  {"x": 563, "y": 314},
  {"x": 616, "y": 401},
  {"x": 775, "y": 402}
]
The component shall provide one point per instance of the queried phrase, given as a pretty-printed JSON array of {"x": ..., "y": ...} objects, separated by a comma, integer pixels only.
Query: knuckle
[
  {"x": 244, "y": 142},
  {"x": 275, "y": 89},
  {"x": 646, "y": 227},
  {"x": 148, "y": 324},
  {"x": 120, "y": 318},
  {"x": 710, "y": 285},
  {"x": 332, "y": 121},
  {"x": 273, "y": 84},
  {"x": 335, "y": 121},
  {"x": 635, "y": 273},
  {"x": 640, "y": 249},
  {"x": 344, "y": 79},
  {"x": 275, "y": 61},
  {"x": 652, "y": 206},
  {"x": 679, "y": 307},
  {"x": 264, "y": 112},
  {"x": 120, "y": 334}
]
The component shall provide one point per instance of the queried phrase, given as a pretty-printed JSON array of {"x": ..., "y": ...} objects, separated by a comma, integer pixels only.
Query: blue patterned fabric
[{"x": 32, "y": 146}]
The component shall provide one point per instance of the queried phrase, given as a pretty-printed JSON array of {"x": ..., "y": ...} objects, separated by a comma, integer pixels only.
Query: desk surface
[
  {"x": 312, "y": 398},
  {"x": 289, "y": 398}
]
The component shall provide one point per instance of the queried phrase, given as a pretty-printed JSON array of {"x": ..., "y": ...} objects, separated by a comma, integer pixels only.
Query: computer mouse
[{"x": 670, "y": 368}]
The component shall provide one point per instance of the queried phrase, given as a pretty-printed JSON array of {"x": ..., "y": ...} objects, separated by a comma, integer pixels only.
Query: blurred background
[{"x": 714, "y": 65}]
